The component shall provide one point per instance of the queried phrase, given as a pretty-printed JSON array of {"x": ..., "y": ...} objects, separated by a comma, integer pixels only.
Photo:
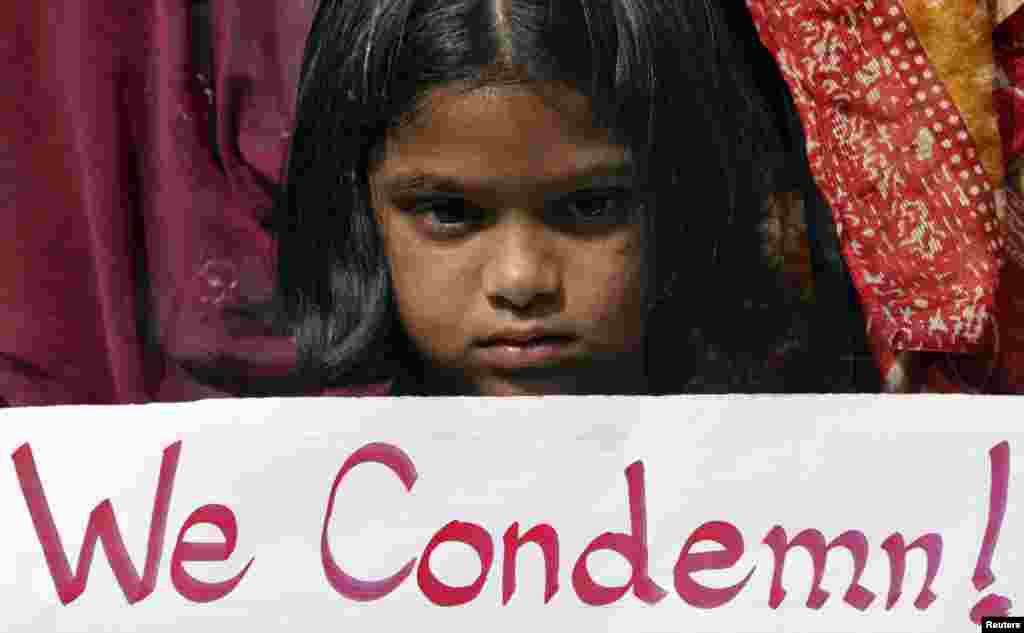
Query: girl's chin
[
  {"x": 503, "y": 387},
  {"x": 613, "y": 380},
  {"x": 508, "y": 386},
  {"x": 512, "y": 390}
]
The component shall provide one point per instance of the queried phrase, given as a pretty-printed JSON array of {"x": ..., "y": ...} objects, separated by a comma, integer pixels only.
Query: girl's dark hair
[{"x": 683, "y": 83}]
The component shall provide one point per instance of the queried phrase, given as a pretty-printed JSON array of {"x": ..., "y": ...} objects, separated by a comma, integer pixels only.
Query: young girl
[{"x": 519, "y": 197}]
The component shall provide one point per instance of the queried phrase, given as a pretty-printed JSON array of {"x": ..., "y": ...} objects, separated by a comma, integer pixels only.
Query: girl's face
[{"x": 515, "y": 247}]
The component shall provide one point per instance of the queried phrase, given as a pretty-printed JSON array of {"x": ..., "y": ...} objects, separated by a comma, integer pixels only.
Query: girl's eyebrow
[{"x": 619, "y": 172}]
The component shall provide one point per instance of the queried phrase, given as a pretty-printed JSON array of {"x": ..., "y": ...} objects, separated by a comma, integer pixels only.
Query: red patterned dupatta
[{"x": 896, "y": 101}]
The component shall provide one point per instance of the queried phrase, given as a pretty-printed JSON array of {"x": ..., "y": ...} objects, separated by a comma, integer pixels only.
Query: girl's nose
[{"x": 522, "y": 269}]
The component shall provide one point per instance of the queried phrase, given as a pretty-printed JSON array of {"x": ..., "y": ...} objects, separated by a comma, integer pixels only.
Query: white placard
[{"x": 764, "y": 469}]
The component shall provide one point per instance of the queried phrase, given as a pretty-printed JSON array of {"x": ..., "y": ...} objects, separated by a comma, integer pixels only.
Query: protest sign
[{"x": 745, "y": 514}]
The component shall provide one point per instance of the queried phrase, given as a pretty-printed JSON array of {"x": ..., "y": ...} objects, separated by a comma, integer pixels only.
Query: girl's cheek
[
  {"x": 434, "y": 298},
  {"x": 618, "y": 299}
]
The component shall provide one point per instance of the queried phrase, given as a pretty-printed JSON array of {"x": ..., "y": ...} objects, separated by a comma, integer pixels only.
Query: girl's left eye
[{"x": 600, "y": 208}]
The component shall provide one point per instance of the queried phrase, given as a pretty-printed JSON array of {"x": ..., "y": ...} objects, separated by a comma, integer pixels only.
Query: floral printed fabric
[{"x": 896, "y": 100}]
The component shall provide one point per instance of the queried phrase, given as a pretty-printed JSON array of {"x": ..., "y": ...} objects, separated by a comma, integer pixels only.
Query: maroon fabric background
[{"x": 108, "y": 179}]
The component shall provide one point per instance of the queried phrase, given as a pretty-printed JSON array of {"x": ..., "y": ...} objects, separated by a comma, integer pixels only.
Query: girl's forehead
[
  {"x": 537, "y": 106},
  {"x": 536, "y": 128}
]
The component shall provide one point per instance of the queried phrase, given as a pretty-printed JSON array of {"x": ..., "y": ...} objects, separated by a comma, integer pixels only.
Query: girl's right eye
[{"x": 447, "y": 217}]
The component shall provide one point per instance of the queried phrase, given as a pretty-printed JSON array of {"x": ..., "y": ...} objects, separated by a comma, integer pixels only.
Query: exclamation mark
[{"x": 993, "y": 604}]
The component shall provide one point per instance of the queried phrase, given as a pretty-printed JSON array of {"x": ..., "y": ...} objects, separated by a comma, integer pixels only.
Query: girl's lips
[{"x": 536, "y": 352}]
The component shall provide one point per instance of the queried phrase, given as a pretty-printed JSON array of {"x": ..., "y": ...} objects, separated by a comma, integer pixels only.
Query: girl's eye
[
  {"x": 447, "y": 216},
  {"x": 597, "y": 208}
]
